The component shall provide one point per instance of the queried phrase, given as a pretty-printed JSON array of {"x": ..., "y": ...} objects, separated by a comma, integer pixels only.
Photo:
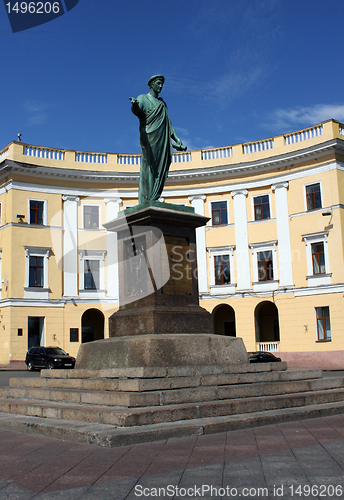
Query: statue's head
[
  {"x": 156, "y": 82},
  {"x": 154, "y": 78}
]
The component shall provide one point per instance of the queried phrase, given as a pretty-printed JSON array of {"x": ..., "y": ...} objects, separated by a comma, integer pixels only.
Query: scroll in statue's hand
[{"x": 179, "y": 146}]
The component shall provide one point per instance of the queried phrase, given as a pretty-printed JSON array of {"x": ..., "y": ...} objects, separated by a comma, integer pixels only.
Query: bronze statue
[{"x": 156, "y": 132}]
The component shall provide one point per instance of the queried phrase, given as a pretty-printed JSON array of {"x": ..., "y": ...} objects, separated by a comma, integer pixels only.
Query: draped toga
[{"x": 155, "y": 140}]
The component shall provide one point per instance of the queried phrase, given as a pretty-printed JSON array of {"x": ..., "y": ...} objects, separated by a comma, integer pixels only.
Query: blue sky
[{"x": 236, "y": 71}]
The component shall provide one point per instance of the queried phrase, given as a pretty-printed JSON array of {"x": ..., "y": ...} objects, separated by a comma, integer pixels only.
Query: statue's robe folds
[{"x": 155, "y": 139}]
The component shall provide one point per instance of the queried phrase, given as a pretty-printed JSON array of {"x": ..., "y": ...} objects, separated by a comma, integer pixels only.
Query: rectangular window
[
  {"x": 74, "y": 334},
  {"x": 219, "y": 213},
  {"x": 261, "y": 207},
  {"x": 36, "y": 212},
  {"x": 323, "y": 323},
  {"x": 265, "y": 267},
  {"x": 318, "y": 258},
  {"x": 313, "y": 196},
  {"x": 36, "y": 271},
  {"x": 222, "y": 270},
  {"x": 91, "y": 217},
  {"x": 91, "y": 274}
]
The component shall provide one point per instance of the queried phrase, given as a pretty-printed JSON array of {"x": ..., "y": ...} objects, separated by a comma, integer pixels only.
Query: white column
[
  {"x": 197, "y": 202},
  {"x": 70, "y": 245},
  {"x": 112, "y": 209},
  {"x": 283, "y": 234},
  {"x": 241, "y": 240}
]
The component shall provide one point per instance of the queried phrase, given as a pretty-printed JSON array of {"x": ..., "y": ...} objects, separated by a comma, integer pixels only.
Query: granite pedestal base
[
  {"x": 158, "y": 319},
  {"x": 169, "y": 350}
]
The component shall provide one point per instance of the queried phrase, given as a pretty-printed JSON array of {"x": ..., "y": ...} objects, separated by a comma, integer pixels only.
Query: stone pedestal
[
  {"x": 169, "y": 350},
  {"x": 160, "y": 322},
  {"x": 158, "y": 286}
]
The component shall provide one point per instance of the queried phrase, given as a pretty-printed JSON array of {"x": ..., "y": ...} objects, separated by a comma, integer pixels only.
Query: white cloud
[
  {"x": 33, "y": 107},
  {"x": 37, "y": 112},
  {"x": 304, "y": 116},
  {"x": 192, "y": 143},
  {"x": 232, "y": 85},
  {"x": 38, "y": 119},
  {"x": 223, "y": 89}
]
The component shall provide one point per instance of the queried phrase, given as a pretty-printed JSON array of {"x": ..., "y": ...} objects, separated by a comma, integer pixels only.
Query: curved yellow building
[{"x": 270, "y": 260}]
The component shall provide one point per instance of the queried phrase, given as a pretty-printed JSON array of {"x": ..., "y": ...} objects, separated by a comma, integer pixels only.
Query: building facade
[{"x": 270, "y": 259}]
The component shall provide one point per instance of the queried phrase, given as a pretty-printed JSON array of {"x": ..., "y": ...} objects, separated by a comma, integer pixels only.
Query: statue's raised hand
[{"x": 132, "y": 100}]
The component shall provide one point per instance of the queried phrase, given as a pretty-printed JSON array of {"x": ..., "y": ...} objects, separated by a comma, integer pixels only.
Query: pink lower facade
[{"x": 329, "y": 360}]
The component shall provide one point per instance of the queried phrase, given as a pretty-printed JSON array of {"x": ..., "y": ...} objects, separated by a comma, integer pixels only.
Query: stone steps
[
  {"x": 126, "y": 416},
  {"x": 112, "y": 436},
  {"x": 113, "y": 397},
  {"x": 134, "y": 398},
  {"x": 114, "y": 382}
]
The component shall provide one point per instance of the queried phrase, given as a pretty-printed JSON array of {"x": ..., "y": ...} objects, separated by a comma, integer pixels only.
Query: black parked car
[
  {"x": 48, "y": 357},
  {"x": 262, "y": 357}
]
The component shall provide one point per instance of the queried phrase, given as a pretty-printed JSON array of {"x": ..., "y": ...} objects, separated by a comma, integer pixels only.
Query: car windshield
[{"x": 55, "y": 351}]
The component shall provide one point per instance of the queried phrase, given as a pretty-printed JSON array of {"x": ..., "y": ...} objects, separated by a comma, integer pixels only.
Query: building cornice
[
  {"x": 227, "y": 171},
  {"x": 218, "y": 189},
  {"x": 264, "y": 165},
  {"x": 38, "y": 171}
]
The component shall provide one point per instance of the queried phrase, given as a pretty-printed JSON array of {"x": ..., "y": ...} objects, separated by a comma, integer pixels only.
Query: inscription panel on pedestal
[
  {"x": 179, "y": 260},
  {"x": 136, "y": 274}
]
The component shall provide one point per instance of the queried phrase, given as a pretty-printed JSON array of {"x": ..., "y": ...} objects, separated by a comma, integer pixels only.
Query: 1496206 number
[
  {"x": 314, "y": 490},
  {"x": 34, "y": 8}
]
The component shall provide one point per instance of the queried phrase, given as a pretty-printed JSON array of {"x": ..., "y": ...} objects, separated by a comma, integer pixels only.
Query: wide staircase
[{"x": 127, "y": 405}]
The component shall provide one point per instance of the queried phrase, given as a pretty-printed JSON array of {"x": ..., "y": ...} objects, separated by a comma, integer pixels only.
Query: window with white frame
[
  {"x": 261, "y": 207},
  {"x": 92, "y": 270},
  {"x": 91, "y": 274},
  {"x": 36, "y": 272},
  {"x": 323, "y": 325},
  {"x": 317, "y": 256},
  {"x": 37, "y": 212},
  {"x": 219, "y": 212},
  {"x": 265, "y": 265},
  {"x": 264, "y": 259},
  {"x": 313, "y": 196},
  {"x": 222, "y": 268},
  {"x": 91, "y": 216}
]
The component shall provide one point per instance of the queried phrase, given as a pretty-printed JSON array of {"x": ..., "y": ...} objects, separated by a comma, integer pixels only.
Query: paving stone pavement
[{"x": 303, "y": 459}]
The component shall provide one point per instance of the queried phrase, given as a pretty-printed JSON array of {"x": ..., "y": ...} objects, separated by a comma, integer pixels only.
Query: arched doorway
[
  {"x": 266, "y": 322},
  {"x": 223, "y": 320},
  {"x": 92, "y": 325}
]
